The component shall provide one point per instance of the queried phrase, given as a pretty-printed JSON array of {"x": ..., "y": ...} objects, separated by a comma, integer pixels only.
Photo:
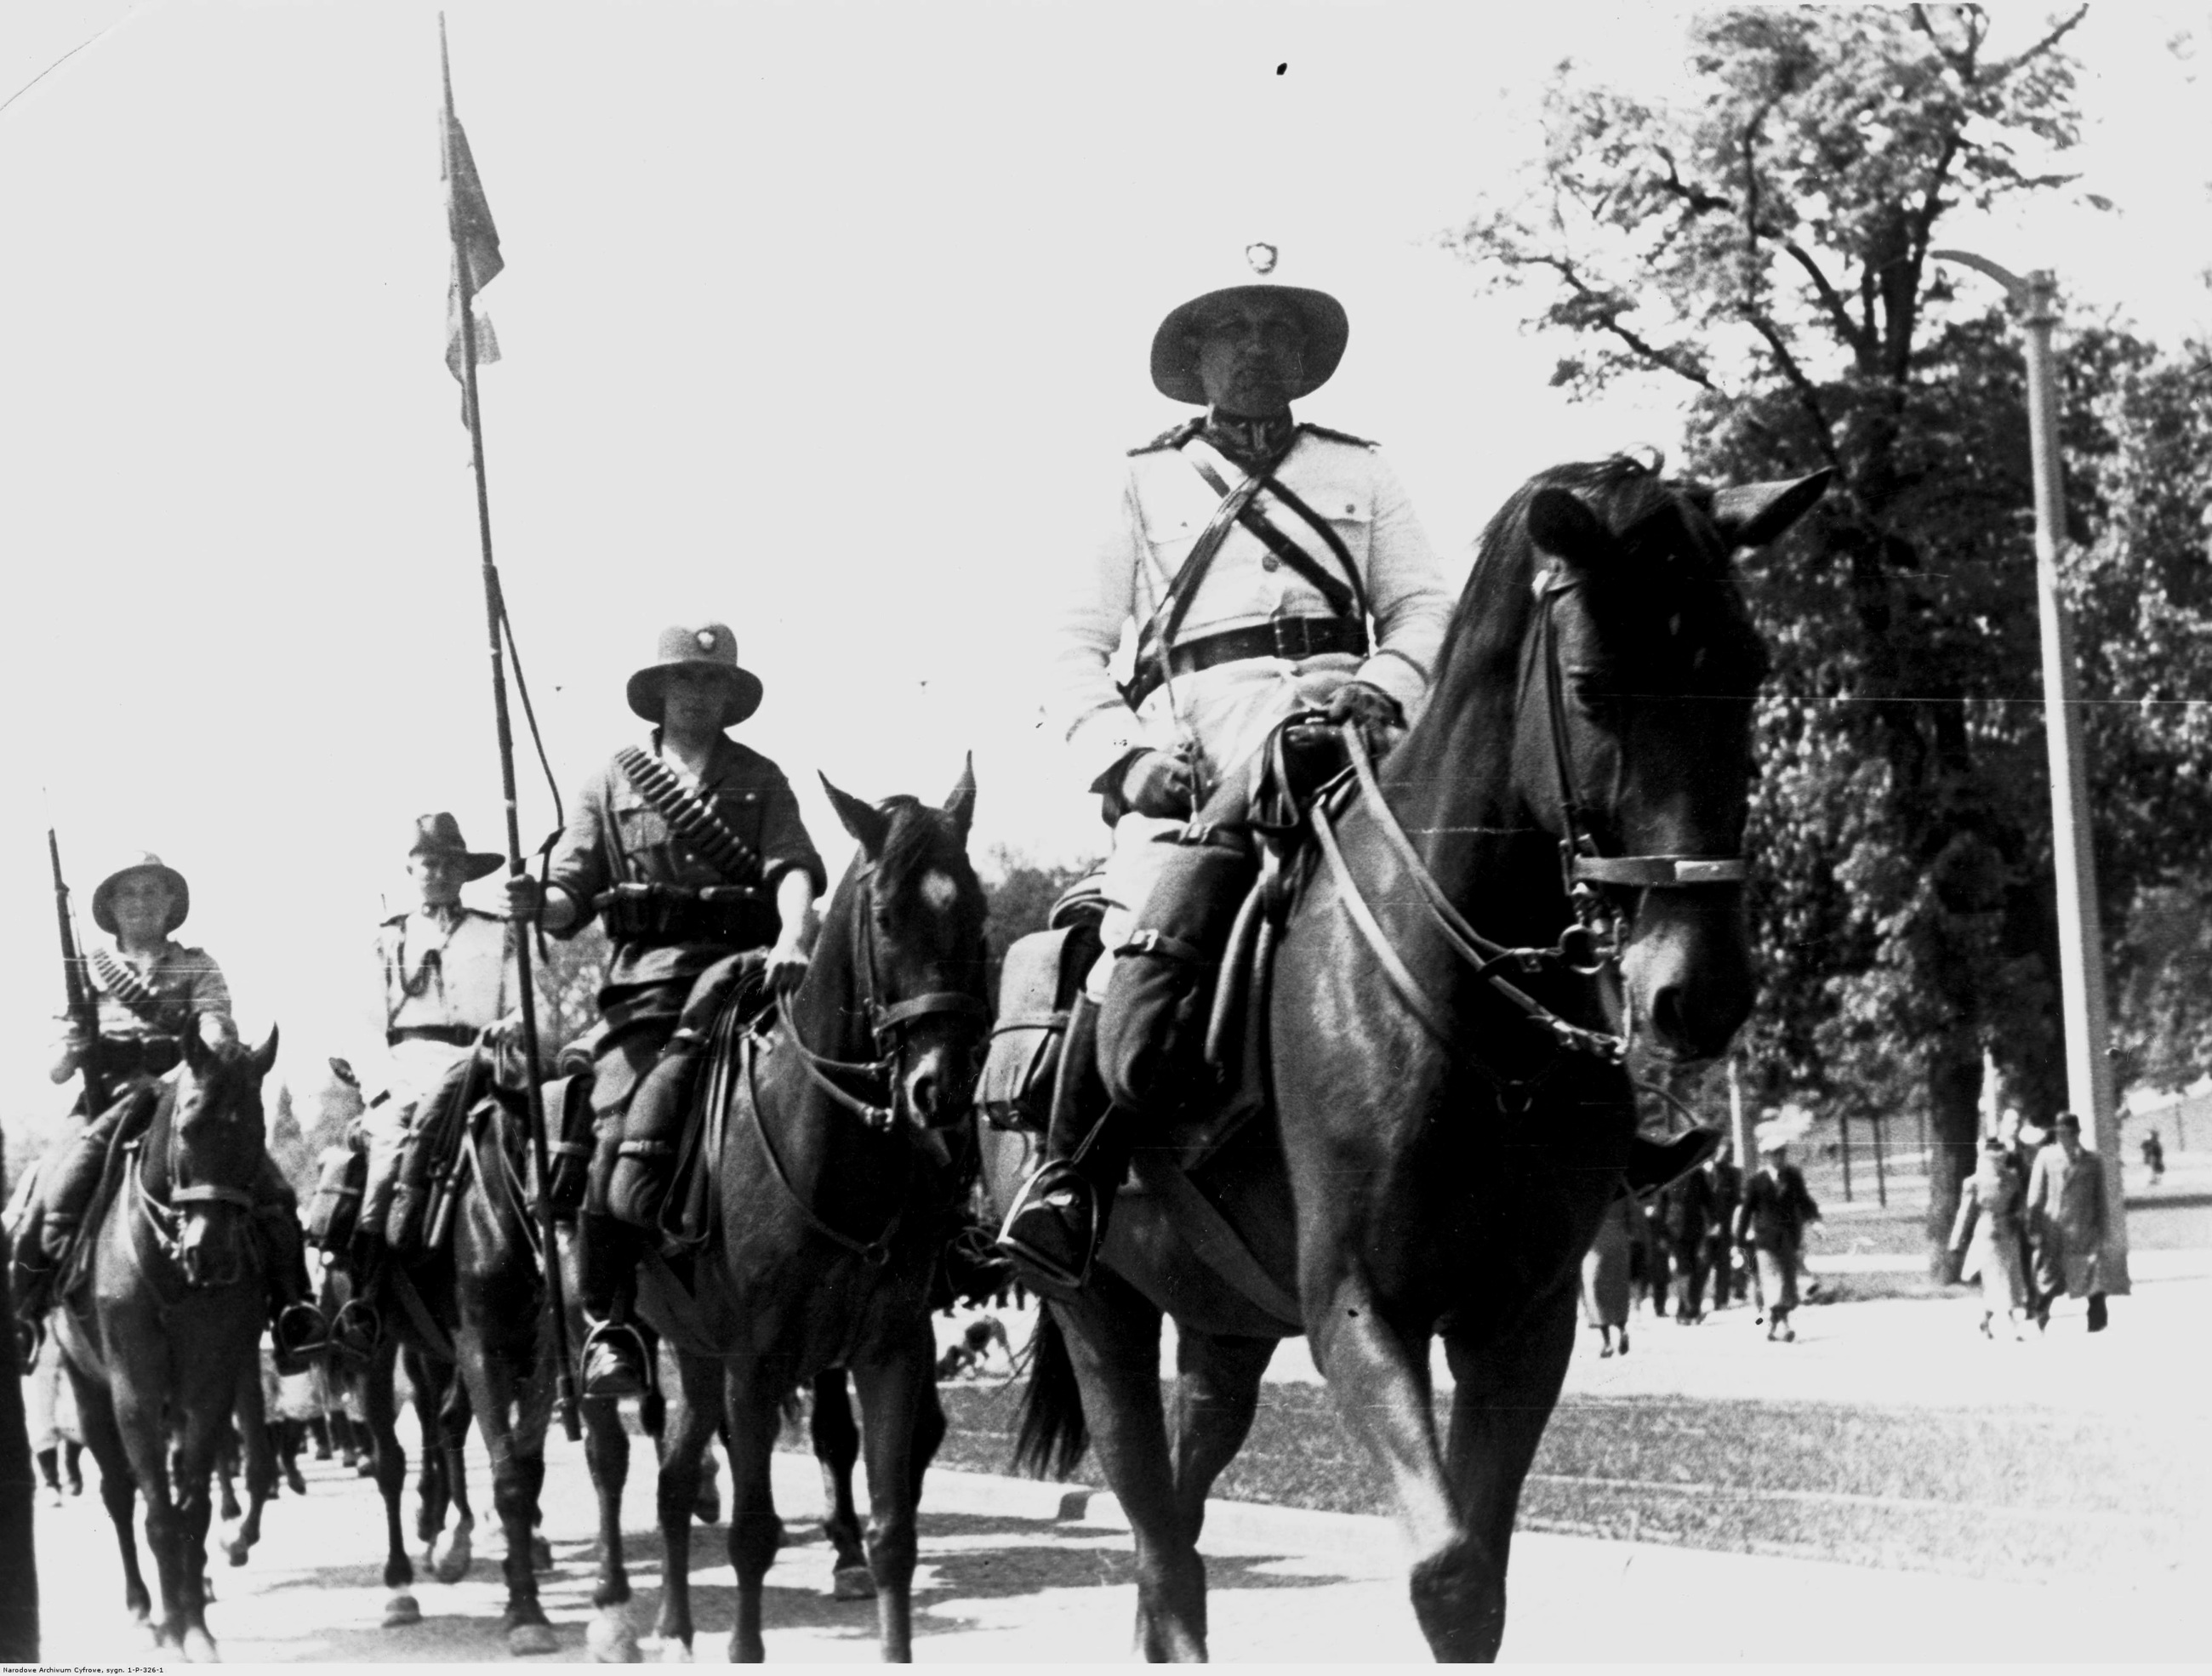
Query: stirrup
[
  {"x": 603, "y": 1369},
  {"x": 358, "y": 1330},
  {"x": 298, "y": 1332},
  {"x": 1078, "y": 1217},
  {"x": 30, "y": 1339}
]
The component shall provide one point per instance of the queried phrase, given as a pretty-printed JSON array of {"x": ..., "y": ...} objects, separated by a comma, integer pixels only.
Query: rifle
[{"x": 83, "y": 1008}]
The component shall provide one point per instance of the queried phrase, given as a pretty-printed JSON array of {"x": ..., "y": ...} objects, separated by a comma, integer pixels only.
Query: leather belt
[
  {"x": 1294, "y": 638},
  {"x": 454, "y": 1035}
]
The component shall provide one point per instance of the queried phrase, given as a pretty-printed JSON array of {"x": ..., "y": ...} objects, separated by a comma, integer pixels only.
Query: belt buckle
[{"x": 1293, "y": 637}]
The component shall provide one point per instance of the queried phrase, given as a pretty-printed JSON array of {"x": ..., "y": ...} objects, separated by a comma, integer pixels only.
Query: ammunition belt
[
  {"x": 690, "y": 816},
  {"x": 137, "y": 1056},
  {"x": 125, "y": 985},
  {"x": 733, "y": 915}
]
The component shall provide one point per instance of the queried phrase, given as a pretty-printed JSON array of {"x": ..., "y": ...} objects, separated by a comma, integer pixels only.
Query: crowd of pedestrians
[{"x": 2030, "y": 1226}]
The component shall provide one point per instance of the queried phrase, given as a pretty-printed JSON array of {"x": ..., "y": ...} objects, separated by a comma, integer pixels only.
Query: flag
[{"x": 476, "y": 261}]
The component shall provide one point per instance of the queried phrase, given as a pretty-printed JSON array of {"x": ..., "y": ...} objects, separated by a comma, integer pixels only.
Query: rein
[
  {"x": 1590, "y": 945},
  {"x": 887, "y": 1026},
  {"x": 163, "y": 1219}
]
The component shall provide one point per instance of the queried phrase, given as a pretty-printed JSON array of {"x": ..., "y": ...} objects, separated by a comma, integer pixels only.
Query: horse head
[
  {"x": 1632, "y": 741},
  {"x": 906, "y": 923},
  {"x": 217, "y": 1139}
]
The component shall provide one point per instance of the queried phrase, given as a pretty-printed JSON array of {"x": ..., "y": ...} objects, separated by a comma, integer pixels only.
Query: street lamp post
[{"x": 2074, "y": 856}]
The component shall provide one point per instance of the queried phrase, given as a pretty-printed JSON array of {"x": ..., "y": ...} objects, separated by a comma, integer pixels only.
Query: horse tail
[{"x": 1054, "y": 1434}]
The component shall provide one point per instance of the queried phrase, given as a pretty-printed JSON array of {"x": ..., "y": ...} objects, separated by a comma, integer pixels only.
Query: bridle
[
  {"x": 887, "y": 1023},
  {"x": 1594, "y": 941},
  {"x": 164, "y": 1218}
]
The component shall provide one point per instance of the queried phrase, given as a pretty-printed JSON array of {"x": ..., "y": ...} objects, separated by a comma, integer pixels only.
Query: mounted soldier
[
  {"x": 1272, "y": 569},
  {"x": 150, "y": 991},
  {"x": 447, "y": 976},
  {"x": 690, "y": 850}
]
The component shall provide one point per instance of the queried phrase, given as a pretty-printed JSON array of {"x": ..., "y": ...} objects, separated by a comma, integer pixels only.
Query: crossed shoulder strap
[{"x": 692, "y": 815}]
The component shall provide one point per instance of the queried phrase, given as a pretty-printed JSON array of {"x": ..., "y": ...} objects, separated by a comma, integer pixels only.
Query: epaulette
[
  {"x": 1173, "y": 437},
  {"x": 1338, "y": 436}
]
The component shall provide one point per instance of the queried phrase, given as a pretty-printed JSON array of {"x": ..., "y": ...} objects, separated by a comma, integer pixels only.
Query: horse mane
[{"x": 921, "y": 839}]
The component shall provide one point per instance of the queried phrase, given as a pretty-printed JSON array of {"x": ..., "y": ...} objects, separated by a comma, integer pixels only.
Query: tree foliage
[{"x": 1764, "y": 248}]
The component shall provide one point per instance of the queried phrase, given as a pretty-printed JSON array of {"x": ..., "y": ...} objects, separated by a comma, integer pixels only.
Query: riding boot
[
  {"x": 611, "y": 1363},
  {"x": 1057, "y": 1221},
  {"x": 1653, "y": 1164}
]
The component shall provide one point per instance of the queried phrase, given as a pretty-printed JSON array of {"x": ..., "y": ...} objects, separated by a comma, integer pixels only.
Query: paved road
[
  {"x": 1005, "y": 1577},
  {"x": 1014, "y": 1571}
]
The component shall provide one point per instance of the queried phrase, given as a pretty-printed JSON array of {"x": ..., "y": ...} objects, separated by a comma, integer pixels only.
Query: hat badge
[
  {"x": 1262, "y": 257},
  {"x": 706, "y": 639}
]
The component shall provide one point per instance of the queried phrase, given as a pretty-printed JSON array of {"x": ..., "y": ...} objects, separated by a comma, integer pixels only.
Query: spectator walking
[
  {"x": 1775, "y": 1213},
  {"x": 2154, "y": 1155},
  {"x": 1726, "y": 1179},
  {"x": 2066, "y": 1219},
  {"x": 1606, "y": 1270},
  {"x": 1685, "y": 1214},
  {"x": 1987, "y": 1234}
]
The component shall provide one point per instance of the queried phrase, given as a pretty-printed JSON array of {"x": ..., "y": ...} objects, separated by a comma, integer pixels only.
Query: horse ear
[
  {"x": 961, "y": 806},
  {"x": 1562, "y": 526},
  {"x": 265, "y": 1056},
  {"x": 343, "y": 1070},
  {"x": 1757, "y": 514},
  {"x": 869, "y": 825}
]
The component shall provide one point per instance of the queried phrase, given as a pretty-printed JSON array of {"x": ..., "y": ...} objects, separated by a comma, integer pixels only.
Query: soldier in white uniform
[
  {"x": 1271, "y": 567},
  {"x": 446, "y": 973}
]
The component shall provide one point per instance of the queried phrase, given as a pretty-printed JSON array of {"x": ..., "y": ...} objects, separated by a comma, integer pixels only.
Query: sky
[{"x": 829, "y": 321}]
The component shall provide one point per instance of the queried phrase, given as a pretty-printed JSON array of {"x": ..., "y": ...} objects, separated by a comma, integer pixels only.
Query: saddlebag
[
  {"x": 335, "y": 1205},
  {"x": 1042, "y": 974},
  {"x": 1151, "y": 1032},
  {"x": 568, "y": 1116}
]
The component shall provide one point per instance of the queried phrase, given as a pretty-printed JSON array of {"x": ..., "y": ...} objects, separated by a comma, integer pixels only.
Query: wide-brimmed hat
[
  {"x": 708, "y": 646},
  {"x": 2066, "y": 1121},
  {"x": 441, "y": 834},
  {"x": 141, "y": 861},
  {"x": 1175, "y": 345}
]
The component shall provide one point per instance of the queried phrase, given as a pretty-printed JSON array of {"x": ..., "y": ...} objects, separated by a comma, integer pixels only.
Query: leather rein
[
  {"x": 887, "y": 1025},
  {"x": 1591, "y": 944},
  {"x": 164, "y": 1218}
]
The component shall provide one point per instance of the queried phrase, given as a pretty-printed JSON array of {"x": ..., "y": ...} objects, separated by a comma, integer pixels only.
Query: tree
[
  {"x": 1021, "y": 894},
  {"x": 1764, "y": 246}
]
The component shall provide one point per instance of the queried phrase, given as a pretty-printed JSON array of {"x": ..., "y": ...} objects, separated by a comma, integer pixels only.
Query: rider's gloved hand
[
  {"x": 1159, "y": 783},
  {"x": 1380, "y": 718}
]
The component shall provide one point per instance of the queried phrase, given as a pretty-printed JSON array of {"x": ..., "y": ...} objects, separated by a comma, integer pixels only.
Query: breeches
[{"x": 624, "y": 1058}]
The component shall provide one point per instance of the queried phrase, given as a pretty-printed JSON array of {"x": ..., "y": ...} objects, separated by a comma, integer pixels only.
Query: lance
[{"x": 555, "y": 1292}]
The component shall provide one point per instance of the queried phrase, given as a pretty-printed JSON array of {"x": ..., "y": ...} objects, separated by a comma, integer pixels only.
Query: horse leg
[
  {"x": 1217, "y": 1392},
  {"x": 754, "y": 1410},
  {"x": 119, "y": 1486},
  {"x": 204, "y": 1426},
  {"x": 1113, "y": 1338},
  {"x": 890, "y": 1391},
  {"x": 381, "y": 1417},
  {"x": 145, "y": 1439},
  {"x": 606, "y": 1454},
  {"x": 837, "y": 1446},
  {"x": 1378, "y": 1373},
  {"x": 685, "y": 1428},
  {"x": 226, "y": 1472},
  {"x": 260, "y": 1467},
  {"x": 1504, "y": 1392},
  {"x": 450, "y": 1414},
  {"x": 493, "y": 1389}
]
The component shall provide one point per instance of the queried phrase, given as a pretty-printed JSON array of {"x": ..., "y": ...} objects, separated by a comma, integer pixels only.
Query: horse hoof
[
  {"x": 610, "y": 1639},
  {"x": 708, "y": 1510},
  {"x": 673, "y": 1651},
  {"x": 200, "y": 1649},
  {"x": 400, "y": 1610},
  {"x": 541, "y": 1554},
  {"x": 532, "y": 1640},
  {"x": 454, "y": 1564},
  {"x": 237, "y": 1552},
  {"x": 852, "y": 1582}
]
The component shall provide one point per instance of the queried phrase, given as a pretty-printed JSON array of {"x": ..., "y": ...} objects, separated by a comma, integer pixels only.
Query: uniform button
[{"x": 1271, "y": 562}]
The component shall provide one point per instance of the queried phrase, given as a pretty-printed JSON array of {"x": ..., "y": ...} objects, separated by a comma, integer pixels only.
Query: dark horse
[
  {"x": 838, "y": 1187},
  {"x": 163, "y": 1342},
  {"x": 475, "y": 1306},
  {"x": 1445, "y": 1148}
]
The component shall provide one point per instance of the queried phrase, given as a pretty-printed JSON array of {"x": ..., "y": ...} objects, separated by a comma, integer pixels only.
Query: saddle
[
  {"x": 76, "y": 1263},
  {"x": 671, "y": 1147}
]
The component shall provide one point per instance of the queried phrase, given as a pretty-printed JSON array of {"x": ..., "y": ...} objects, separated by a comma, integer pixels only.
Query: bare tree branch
[
  {"x": 2059, "y": 32},
  {"x": 1831, "y": 299},
  {"x": 1808, "y": 397},
  {"x": 1606, "y": 316}
]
